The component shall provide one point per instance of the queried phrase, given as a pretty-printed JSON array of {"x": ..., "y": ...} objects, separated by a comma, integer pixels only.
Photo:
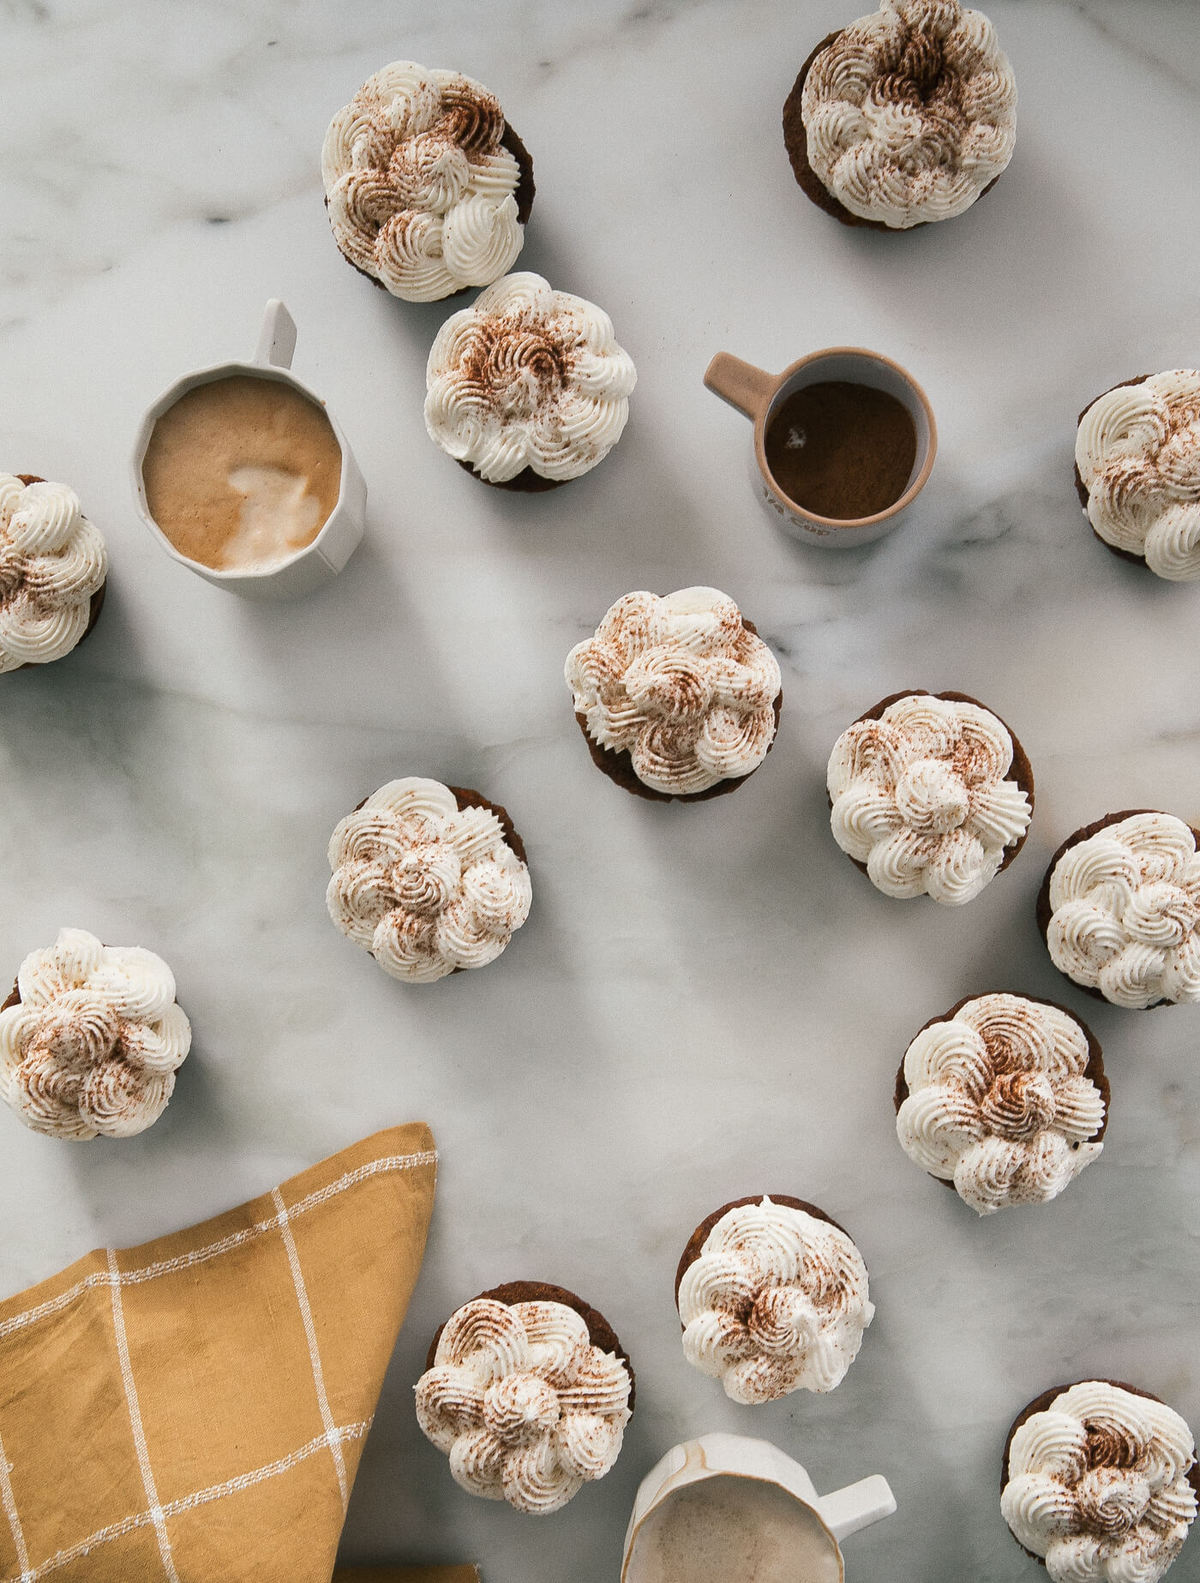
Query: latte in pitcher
[
  {"x": 728, "y": 1529},
  {"x": 242, "y": 472}
]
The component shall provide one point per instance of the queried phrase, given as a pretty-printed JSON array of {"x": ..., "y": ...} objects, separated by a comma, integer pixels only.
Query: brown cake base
[
  {"x": 1093, "y": 1070},
  {"x": 1041, "y": 1404},
  {"x": 1081, "y": 488},
  {"x": 1021, "y": 769},
  {"x": 526, "y": 482},
  {"x": 600, "y": 1333},
  {"x": 1045, "y": 912},
  {"x": 695, "y": 1243},
  {"x": 94, "y": 609},
  {"x": 523, "y": 193},
  {"x": 795, "y": 138},
  {"x": 618, "y": 765}
]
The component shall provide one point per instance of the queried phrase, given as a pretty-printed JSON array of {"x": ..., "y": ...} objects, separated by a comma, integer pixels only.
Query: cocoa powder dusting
[{"x": 841, "y": 450}]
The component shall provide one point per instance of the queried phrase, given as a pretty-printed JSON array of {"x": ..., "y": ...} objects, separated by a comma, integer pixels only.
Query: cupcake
[
  {"x": 528, "y": 1391},
  {"x": 772, "y": 1298},
  {"x": 1004, "y": 1099},
  {"x": 53, "y": 570},
  {"x": 1120, "y": 909},
  {"x": 930, "y": 794},
  {"x": 1137, "y": 471},
  {"x": 430, "y": 879},
  {"x": 427, "y": 186},
  {"x": 90, "y": 1039},
  {"x": 527, "y": 388},
  {"x": 1099, "y": 1483},
  {"x": 906, "y": 116},
  {"x": 677, "y": 697}
]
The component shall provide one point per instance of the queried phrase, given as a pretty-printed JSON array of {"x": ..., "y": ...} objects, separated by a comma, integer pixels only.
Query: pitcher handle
[
  {"x": 740, "y": 384},
  {"x": 857, "y": 1506},
  {"x": 277, "y": 338}
]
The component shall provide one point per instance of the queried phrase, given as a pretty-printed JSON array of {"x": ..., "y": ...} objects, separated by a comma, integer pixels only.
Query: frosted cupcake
[
  {"x": 91, "y": 1038},
  {"x": 1120, "y": 909},
  {"x": 527, "y": 388},
  {"x": 677, "y": 697},
  {"x": 1004, "y": 1099},
  {"x": 931, "y": 794},
  {"x": 1099, "y": 1483},
  {"x": 427, "y": 186},
  {"x": 430, "y": 879},
  {"x": 905, "y": 117},
  {"x": 528, "y": 1391},
  {"x": 1137, "y": 471},
  {"x": 772, "y": 1297},
  {"x": 53, "y": 571}
]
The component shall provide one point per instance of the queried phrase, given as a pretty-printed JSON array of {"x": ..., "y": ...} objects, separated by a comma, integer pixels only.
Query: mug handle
[
  {"x": 857, "y": 1506},
  {"x": 743, "y": 386},
  {"x": 277, "y": 338}
]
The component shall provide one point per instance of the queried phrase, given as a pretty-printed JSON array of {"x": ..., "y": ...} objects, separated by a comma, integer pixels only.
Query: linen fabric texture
[{"x": 193, "y": 1410}]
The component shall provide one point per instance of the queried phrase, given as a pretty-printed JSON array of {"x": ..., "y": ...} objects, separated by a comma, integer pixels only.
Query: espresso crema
[
  {"x": 242, "y": 472},
  {"x": 728, "y": 1529}
]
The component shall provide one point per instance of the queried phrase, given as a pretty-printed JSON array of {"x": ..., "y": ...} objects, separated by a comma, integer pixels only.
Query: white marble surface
[{"x": 706, "y": 1001}]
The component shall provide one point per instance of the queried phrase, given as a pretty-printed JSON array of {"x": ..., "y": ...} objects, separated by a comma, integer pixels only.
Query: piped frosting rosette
[
  {"x": 1121, "y": 910},
  {"x": 52, "y": 562},
  {"x": 775, "y": 1301},
  {"x": 421, "y": 193},
  {"x": 427, "y": 881},
  {"x": 911, "y": 112},
  {"x": 1005, "y": 1098},
  {"x": 680, "y": 683},
  {"x": 1098, "y": 1485},
  {"x": 1137, "y": 451},
  {"x": 528, "y": 377},
  {"x": 922, "y": 797},
  {"x": 524, "y": 1405},
  {"x": 91, "y": 1038}
]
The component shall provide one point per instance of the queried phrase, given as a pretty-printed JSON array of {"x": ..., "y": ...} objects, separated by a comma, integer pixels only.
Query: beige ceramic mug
[
  {"x": 711, "y": 1504},
  {"x": 320, "y": 560},
  {"x": 759, "y": 396}
]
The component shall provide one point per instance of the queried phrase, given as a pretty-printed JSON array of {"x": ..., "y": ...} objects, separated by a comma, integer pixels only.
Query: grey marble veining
[{"x": 706, "y": 1001}]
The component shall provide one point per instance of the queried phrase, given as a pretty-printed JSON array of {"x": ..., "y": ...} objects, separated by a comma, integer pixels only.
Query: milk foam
[{"x": 733, "y": 1530}]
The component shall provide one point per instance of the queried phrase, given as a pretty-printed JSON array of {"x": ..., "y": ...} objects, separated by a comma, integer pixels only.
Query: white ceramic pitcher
[
  {"x": 316, "y": 563},
  {"x": 829, "y": 1518}
]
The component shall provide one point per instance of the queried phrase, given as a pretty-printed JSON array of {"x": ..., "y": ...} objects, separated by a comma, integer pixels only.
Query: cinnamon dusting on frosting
[
  {"x": 1100, "y": 1484},
  {"x": 523, "y": 1403},
  {"x": 908, "y": 114},
  {"x": 776, "y": 1300},
  {"x": 528, "y": 379},
  {"x": 422, "y": 191},
  {"x": 1004, "y": 1099},
  {"x": 91, "y": 1038},
  {"x": 682, "y": 684},
  {"x": 53, "y": 566},
  {"x": 1137, "y": 458}
]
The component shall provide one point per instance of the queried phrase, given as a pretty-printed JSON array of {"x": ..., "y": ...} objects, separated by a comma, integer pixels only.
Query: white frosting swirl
[
  {"x": 910, "y": 112},
  {"x": 1138, "y": 454},
  {"x": 920, "y": 796},
  {"x": 420, "y": 191},
  {"x": 776, "y": 1302},
  {"x": 1125, "y": 912},
  {"x": 526, "y": 1408},
  {"x": 528, "y": 377},
  {"x": 52, "y": 560},
  {"x": 94, "y": 1041},
  {"x": 998, "y": 1102},
  {"x": 1098, "y": 1485},
  {"x": 424, "y": 886},
  {"x": 681, "y": 685}
]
